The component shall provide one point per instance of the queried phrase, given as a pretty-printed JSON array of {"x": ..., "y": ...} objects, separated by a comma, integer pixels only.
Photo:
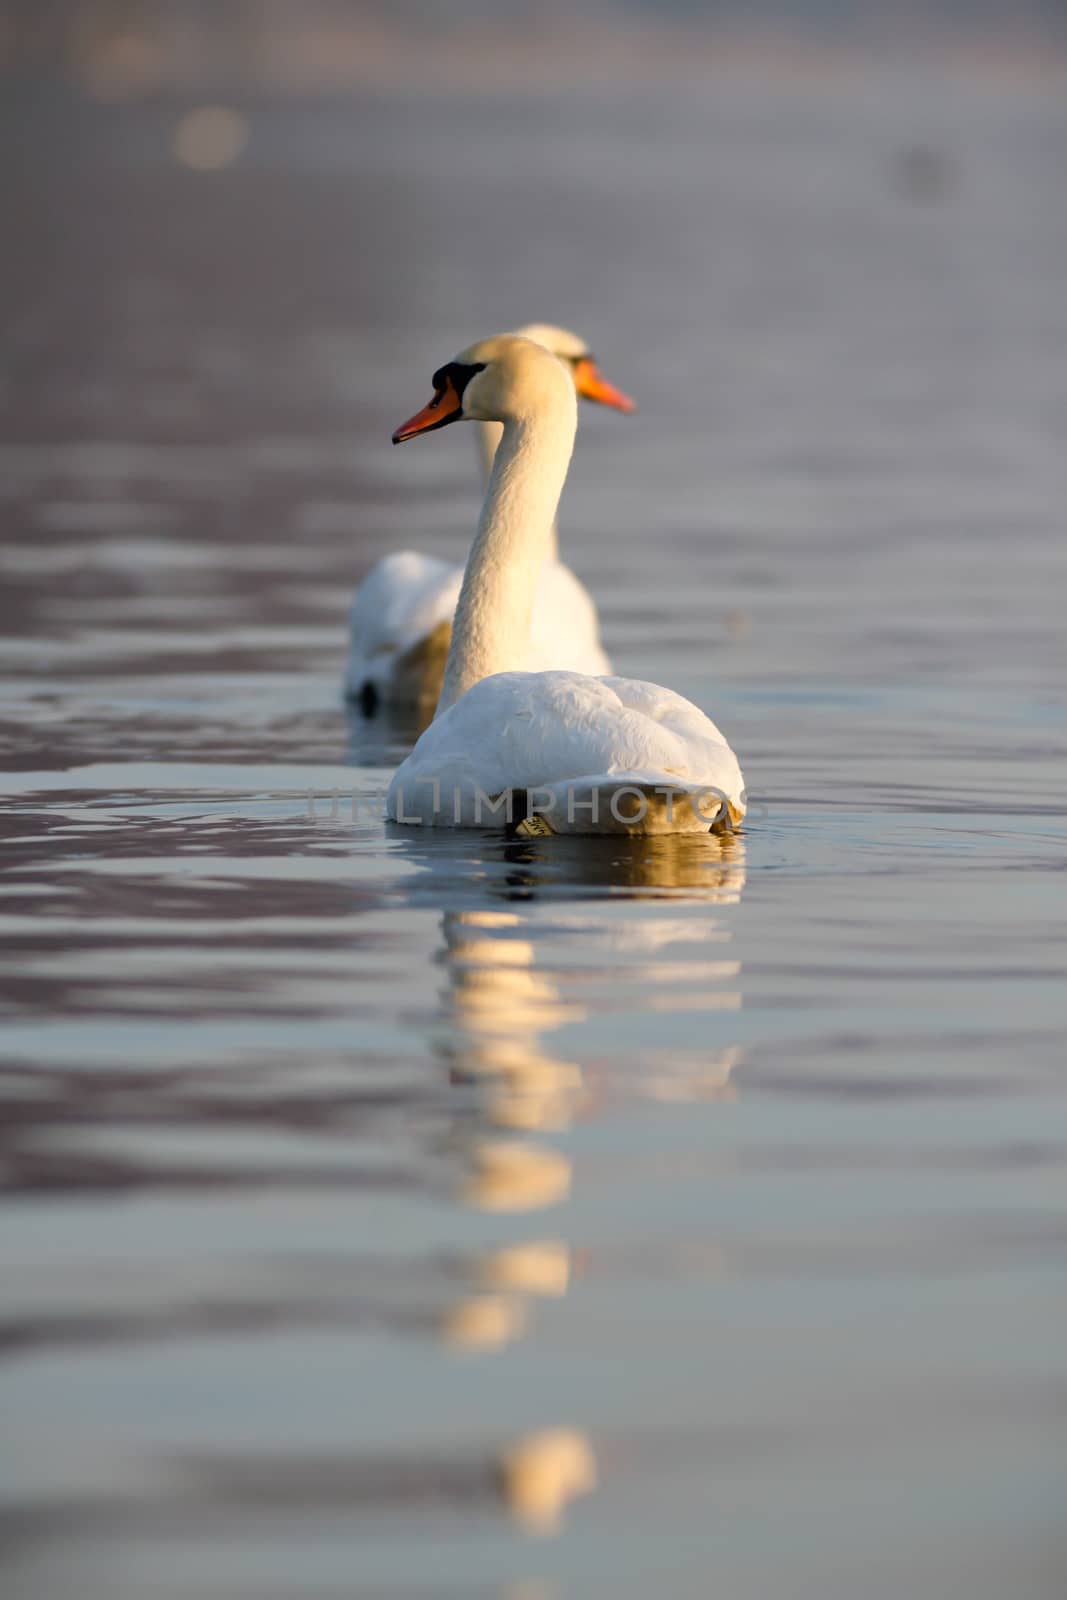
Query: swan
[
  {"x": 553, "y": 751},
  {"x": 401, "y": 618}
]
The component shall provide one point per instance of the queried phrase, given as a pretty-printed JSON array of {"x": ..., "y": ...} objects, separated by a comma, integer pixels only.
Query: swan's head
[
  {"x": 576, "y": 355},
  {"x": 503, "y": 379}
]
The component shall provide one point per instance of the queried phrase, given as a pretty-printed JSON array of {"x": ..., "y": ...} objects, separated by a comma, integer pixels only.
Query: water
[{"x": 413, "y": 1215}]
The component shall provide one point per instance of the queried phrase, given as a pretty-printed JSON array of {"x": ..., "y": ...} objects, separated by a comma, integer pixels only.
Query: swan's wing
[
  {"x": 400, "y": 603},
  {"x": 564, "y": 629},
  {"x": 564, "y": 732}
]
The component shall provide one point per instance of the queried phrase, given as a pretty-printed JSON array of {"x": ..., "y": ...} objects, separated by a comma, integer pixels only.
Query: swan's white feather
[
  {"x": 564, "y": 632},
  {"x": 574, "y": 735}
]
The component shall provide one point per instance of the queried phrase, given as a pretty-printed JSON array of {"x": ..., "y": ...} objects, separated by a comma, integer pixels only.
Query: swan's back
[{"x": 574, "y": 735}]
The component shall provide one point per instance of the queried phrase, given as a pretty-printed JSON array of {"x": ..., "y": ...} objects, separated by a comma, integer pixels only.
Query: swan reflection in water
[
  {"x": 500, "y": 1006},
  {"x": 553, "y": 949}
]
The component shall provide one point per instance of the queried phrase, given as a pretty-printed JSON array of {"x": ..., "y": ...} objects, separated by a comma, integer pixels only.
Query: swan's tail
[
  {"x": 420, "y": 670},
  {"x": 622, "y": 805},
  {"x": 406, "y": 678}
]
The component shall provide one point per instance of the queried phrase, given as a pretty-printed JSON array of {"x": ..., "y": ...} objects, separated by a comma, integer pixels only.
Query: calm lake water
[{"x": 411, "y": 1215}]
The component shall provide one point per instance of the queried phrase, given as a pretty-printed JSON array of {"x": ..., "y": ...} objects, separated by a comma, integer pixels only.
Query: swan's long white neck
[
  {"x": 491, "y": 629},
  {"x": 489, "y": 437}
]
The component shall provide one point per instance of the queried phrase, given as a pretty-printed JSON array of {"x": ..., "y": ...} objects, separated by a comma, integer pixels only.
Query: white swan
[
  {"x": 543, "y": 752},
  {"x": 401, "y": 619}
]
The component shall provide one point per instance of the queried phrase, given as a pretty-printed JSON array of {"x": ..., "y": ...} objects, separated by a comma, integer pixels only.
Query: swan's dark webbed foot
[
  {"x": 524, "y": 824},
  {"x": 725, "y": 822}
]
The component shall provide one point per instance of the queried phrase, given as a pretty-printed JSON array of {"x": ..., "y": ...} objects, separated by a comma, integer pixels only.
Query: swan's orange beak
[
  {"x": 445, "y": 406},
  {"x": 591, "y": 385}
]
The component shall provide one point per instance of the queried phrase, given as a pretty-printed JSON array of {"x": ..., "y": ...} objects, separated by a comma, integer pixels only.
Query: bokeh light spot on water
[
  {"x": 542, "y": 1472},
  {"x": 209, "y": 138}
]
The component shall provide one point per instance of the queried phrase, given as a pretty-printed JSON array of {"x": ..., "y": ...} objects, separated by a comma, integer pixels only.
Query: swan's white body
[
  {"x": 401, "y": 618},
  {"x": 585, "y": 755},
  {"x": 552, "y": 751}
]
